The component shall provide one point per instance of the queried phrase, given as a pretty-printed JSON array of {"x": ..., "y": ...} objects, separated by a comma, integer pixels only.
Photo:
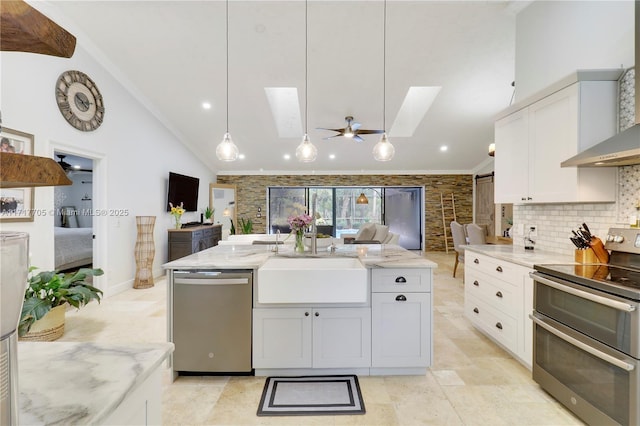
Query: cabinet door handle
[
  {"x": 306, "y": 314},
  {"x": 401, "y": 298},
  {"x": 401, "y": 280},
  {"x": 317, "y": 314},
  {"x": 499, "y": 269},
  {"x": 476, "y": 261},
  {"x": 499, "y": 326},
  {"x": 499, "y": 294},
  {"x": 529, "y": 198},
  {"x": 476, "y": 283},
  {"x": 523, "y": 199},
  {"x": 476, "y": 310}
]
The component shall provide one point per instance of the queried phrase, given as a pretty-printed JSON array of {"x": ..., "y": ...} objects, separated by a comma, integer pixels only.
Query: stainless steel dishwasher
[{"x": 212, "y": 321}]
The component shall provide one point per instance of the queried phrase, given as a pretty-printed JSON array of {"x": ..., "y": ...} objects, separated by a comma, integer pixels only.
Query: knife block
[{"x": 586, "y": 256}]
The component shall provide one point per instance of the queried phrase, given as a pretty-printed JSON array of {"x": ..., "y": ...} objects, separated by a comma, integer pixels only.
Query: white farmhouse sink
[{"x": 312, "y": 280}]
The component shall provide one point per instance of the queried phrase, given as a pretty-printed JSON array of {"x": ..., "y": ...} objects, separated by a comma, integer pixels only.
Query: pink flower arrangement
[{"x": 300, "y": 222}]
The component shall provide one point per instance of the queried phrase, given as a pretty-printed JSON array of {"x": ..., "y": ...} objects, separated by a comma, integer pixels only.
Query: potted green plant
[
  {"x": 208, "y": 215},
  {"x": 246, "y": 225},
  {"x": 47, "y": 294}
]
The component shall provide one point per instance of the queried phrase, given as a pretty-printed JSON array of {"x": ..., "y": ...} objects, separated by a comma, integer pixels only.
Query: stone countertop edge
[
  {"x": 81, "y": 382},
  {"x": 520, "y": 256},
  {"x": 254, "y": 256}
]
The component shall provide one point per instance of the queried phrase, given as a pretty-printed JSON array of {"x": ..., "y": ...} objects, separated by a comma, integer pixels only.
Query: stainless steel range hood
[{"x": 622, "y": 149}]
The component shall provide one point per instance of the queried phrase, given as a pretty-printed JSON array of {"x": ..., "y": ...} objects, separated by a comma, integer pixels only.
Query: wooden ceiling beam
[
  {"x": 24, "y": 29},
  {"x": 18, "y": 170}
]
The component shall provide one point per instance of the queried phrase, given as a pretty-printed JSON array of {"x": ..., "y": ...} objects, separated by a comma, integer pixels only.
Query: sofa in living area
[{"x": 373, "y": 233}]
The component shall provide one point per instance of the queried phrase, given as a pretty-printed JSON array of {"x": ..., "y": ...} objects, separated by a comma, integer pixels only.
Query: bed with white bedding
[{"x": 73, "y": 247}]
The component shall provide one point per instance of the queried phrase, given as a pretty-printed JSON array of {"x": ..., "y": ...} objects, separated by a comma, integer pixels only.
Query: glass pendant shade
[
  {"x": 384, "y": 150},
  {"x": 306, "y": 151},
  {"x": 227, "y": 150}
]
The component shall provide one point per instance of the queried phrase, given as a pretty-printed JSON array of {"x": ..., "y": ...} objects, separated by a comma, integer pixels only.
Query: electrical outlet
[{"x": 532, "y": 230}]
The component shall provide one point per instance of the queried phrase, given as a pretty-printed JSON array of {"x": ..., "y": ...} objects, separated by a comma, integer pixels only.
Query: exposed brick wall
[{"x": 251, "y": 194}]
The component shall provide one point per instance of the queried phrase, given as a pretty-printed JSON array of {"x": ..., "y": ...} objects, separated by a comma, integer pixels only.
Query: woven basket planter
[{"x": 48, "y": 328}]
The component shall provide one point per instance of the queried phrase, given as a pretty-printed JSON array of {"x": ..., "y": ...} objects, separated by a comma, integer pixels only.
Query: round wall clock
[{"x": 79, "y": 100}]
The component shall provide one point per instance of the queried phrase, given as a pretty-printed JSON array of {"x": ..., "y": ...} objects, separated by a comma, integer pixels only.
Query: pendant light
[
  {"x": 227, "y": 150},
  {"x": 384, "y": 150},
  {"x": 306, "y": 151},
  {"x": 362, "y": 199}
]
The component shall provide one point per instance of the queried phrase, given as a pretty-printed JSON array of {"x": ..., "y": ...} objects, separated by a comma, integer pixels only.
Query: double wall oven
[{"x": 586, "y": 319}]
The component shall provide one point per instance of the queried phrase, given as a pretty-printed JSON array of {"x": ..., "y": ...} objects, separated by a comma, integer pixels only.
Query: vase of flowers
[
  {"x": 298, "y": 225},
  {"x": 177, "y": 213}
]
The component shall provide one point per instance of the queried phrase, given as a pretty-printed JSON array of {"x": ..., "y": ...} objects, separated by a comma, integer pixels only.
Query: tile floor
[{"x": 472, "y": 381}]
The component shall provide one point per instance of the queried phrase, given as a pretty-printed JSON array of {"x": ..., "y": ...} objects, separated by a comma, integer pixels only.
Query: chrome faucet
[{"x": 314, "y": 235}]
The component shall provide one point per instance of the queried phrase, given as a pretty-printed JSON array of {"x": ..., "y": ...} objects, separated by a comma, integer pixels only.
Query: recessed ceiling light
[
  {"x": 443, "y": 148},
  {"x": 206, "y": 105},
  {"x": 241, "y": 156},
  {"x": 286, "y": 156},
  {"x": 332, "y": 156}
]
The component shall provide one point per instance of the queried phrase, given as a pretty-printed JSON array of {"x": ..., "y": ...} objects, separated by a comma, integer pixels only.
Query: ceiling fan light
[
  {"x": 227, "y": 150},
  {"x": 306, "y": 151},
  {"x": 348, "y": 132},
  {"x": 383, "y": 150}
]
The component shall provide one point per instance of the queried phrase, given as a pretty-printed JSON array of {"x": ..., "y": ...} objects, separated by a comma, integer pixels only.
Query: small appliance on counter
[{"x": 14, "y": 263}]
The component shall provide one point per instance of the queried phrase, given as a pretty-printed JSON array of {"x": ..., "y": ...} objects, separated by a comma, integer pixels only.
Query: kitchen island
[
  {"x": 386, "y": 329},
  {"x": 90, "y": 383}
]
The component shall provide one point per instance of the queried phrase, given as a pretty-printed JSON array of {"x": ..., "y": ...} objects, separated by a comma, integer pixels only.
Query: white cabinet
[
  {"x": 498, "y": 298},
  {"x": 532, "y": 142},
  {"x": 143, "y": 406},
  {"x": 401, "y": 310},
  {"x": 311, "y": 337}
]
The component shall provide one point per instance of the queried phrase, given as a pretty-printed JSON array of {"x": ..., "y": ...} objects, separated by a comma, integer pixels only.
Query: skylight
[
  {"x": 285, "y": 109},
  {"x": 416, "y": 103}
]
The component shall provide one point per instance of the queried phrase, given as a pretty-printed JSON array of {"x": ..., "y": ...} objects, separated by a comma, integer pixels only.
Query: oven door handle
[
  {"x": 621, "y": 306},
  {"x": 577, "y": 343}
]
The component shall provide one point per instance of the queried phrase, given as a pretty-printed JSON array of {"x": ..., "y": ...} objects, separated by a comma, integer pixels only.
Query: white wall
[
  {"x": 135, "y": 151},
  {"x": 555, "y": 38}
]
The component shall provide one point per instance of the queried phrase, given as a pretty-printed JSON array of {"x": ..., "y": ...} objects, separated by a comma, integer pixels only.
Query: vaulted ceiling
[{"x": 172, "y": 54}]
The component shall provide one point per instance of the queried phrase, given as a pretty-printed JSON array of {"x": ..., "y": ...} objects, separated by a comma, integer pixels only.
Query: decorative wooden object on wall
[
  {"x": 25, "y": 29},
  {"x": 145, "y": 251}
]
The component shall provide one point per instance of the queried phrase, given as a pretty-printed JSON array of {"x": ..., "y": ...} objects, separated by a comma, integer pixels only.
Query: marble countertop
[
  {"x": 253, "y": 256},
  {"x": 81, "y": 383},
  {"x": 519, "y": 255}
]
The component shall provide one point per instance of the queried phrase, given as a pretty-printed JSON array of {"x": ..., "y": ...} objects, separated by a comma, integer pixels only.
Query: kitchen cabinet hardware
[
  {"x": 476, "y": 261},
  {"x": 476, "y": 283},
  {"x": 401, "y": 298},
  {"x": 401, "y": 280},
  {"x": 499, "y": 269},
  {"x": 499, "y": 294},
  {"x": 499, "y": 326},
  {"x": 476, "y": 310},
  {"x": 306, "y": 314},
  {"x": 317, "y": 314}
]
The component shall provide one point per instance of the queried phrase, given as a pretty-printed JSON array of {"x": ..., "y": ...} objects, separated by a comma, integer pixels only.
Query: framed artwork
[{"x": 16, "y": 204}]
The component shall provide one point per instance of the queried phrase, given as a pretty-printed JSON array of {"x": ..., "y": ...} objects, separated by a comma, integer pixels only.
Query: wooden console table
[{"x": 186, "y": 241}]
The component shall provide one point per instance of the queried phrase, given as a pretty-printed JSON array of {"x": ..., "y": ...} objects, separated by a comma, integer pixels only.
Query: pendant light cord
[
  {"x": 306, "y": 66},
  {"x": 384, "y": 68},
  {"x": 227, "y": 54}
]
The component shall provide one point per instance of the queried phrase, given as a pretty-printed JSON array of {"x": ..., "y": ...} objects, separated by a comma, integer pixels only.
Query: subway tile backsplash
[{"x": 555, "y": 221}]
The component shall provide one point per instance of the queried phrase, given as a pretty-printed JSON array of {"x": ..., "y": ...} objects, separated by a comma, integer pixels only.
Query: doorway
[{"x": 73, "y": 219}]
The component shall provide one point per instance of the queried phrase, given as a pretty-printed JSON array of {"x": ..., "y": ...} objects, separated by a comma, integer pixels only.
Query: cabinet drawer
[
  {"x": 497, "y": 268},
  {"x": 502, "y": 327},
  {"x": 407, "y": 280},
  {"x": 501, "y": 295}
]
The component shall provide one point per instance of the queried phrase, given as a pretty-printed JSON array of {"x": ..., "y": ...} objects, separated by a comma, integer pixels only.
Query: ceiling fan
[
  {"x": 68, "y": 167},
  {"x": 351, "y": 131}
]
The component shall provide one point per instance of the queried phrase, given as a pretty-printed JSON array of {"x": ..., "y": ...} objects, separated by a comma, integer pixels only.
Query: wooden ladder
[{"x": 448, "y": 207}]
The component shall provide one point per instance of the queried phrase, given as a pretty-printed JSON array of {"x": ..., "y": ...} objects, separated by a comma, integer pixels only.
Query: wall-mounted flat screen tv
[{"x": 183, "y": 189}]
